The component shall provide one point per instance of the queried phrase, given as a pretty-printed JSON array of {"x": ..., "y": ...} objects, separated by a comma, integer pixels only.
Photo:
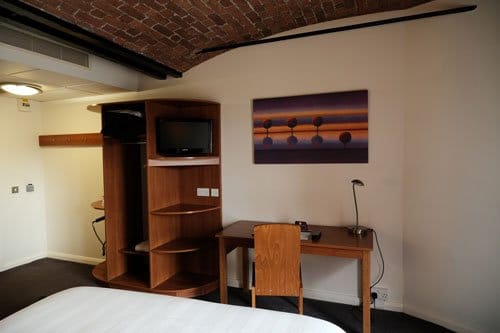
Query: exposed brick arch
[{"x": 172, "y": 32}]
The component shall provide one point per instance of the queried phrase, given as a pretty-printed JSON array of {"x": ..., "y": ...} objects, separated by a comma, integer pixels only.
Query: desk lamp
[{"x": 357, "y": 230}]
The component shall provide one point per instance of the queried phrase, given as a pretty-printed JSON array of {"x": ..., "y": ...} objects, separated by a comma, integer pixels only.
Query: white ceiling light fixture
[{"x": 21, "y": 89}]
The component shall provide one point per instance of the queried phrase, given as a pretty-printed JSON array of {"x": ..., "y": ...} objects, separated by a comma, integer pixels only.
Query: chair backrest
[{"x": 277, "y": 259}]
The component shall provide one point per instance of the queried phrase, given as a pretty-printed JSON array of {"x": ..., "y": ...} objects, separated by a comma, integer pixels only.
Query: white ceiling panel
[
  {"x": 59, "y": 94},
  {"x": 7, "y": 67},
  {"x": 55, "y": 86},
  {"x": 47, "y": 77},
  {"x": 97, "y": 88}
]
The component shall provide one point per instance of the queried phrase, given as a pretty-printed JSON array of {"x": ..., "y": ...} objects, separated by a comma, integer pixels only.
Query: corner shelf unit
[{"x": 152, "y": 197}]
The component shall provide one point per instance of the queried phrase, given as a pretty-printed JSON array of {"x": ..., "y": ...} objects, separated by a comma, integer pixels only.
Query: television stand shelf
[{"x": 184, "y": 161}]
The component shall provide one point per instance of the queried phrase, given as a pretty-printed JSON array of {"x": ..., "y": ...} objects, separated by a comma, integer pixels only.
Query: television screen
[{"x": 188, "y": 137}]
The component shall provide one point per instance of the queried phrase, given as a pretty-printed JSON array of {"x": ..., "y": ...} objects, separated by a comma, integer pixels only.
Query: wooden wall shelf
[{"x": 83, "y": 139}]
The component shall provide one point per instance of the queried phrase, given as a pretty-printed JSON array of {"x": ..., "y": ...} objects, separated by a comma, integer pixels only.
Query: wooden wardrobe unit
[{"x": 151, "y": 197}]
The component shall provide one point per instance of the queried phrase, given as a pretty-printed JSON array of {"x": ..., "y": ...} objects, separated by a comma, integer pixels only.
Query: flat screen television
[{"x": 184, "y": 137}]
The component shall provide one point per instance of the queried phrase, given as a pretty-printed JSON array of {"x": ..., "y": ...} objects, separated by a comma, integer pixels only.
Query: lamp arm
[{"x": 355, "y": 203}]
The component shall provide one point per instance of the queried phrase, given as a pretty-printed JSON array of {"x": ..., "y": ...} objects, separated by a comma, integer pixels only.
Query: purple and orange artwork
[{"x": 319, "y": 128}]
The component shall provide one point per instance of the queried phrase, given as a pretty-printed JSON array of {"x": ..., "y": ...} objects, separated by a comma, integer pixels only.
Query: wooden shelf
[
  {"x": 184, "y": 161},
  {"x": 181, "y": 245},
  {"x": 187, "y": 284},
  {"x": 184, "y": 209},
  {"x": 131, "y": 281},
  {"x": 134, "y": 252},
  {"x": 100, "y": 272},
  {"x": 83, "y": 139}
]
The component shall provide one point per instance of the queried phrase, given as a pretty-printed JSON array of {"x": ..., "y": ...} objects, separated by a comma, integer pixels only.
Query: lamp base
[{"x": 357, "y": 230}]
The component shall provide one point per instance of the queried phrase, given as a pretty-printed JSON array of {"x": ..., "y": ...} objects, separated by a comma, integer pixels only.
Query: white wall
[
  {"x": 452, "y": 163},
  {"x": 73, "y": 179},
  {"x": 320, "y": 194},
  {"x": 22, "y": 215}
]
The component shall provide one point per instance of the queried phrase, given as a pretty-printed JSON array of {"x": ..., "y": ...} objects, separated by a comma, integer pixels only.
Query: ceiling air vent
[{"x": 39, "y": 45}]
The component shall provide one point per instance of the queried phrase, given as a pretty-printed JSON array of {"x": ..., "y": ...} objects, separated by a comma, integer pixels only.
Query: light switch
[
  {"x": 14, "y": 189},
  {"x": 30, "y": 188},
  {"x": 214, "y": 192}
]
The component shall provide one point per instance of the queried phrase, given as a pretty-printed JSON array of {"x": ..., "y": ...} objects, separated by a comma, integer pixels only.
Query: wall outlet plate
[
  {"x": 203, "y": 192},
  {"x": 382, "y": 295}
]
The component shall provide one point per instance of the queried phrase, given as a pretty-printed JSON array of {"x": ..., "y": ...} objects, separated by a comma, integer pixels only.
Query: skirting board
[
  {"x": 22, "y": 261},
  {"x": 435, "y": 318},
  {"x": 74, "y": 258},
  {"x": 329, "y": 296}
]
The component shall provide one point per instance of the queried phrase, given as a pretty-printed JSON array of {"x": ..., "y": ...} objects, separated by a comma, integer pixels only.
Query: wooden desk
[
  {"x": 98, "y": 205},
  {"x": 334, "y": 241}
]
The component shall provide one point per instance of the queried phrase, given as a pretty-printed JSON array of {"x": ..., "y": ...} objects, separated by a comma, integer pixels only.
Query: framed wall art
[{"x": 319, "y": 128}]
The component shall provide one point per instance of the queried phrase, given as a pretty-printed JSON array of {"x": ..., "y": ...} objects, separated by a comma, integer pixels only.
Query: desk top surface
[
  {"x": 98, "y": 205},
  {"x": 331, "y": 236}
]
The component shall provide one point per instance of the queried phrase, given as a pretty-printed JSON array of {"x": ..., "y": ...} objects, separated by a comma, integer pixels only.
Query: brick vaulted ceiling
[{"x": 173, "y": 32}]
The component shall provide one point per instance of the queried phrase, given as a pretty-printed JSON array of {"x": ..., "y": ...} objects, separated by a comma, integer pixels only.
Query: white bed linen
[{"x": 94, "y": 309}]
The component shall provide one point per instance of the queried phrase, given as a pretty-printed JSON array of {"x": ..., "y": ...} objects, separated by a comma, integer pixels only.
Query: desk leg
[
  {"x": 222, "y": 271},
  {"x": 244, "y": 268},
  {"x": 365, "y": 280}
]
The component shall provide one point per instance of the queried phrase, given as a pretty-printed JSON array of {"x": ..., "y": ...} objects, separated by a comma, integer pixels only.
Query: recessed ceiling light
[{"x": 21, "y": 89}]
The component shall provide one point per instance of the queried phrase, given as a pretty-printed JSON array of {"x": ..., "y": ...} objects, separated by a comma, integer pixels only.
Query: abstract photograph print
[{"x": 319, "y": 128}]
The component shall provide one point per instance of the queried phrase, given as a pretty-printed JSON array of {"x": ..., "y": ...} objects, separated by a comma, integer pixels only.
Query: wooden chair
[{"x": 277, "y": 262}]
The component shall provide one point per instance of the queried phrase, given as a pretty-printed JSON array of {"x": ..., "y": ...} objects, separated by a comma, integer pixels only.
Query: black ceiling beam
[
  {"x": 338, "y": 29},
  {"x": 27, "y": 17}
]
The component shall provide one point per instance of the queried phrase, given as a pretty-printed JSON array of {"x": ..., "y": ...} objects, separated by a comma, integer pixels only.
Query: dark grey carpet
[
  {"x": 28, "y": 283},
  {"x": 346, "y": 316},
  {"x": 23, "y": 285}
]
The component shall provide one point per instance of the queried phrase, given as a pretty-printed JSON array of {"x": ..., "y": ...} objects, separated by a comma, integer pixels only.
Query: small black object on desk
[
  {"x": 305, "y": 233},
  {"x": 315, "y": 235}
]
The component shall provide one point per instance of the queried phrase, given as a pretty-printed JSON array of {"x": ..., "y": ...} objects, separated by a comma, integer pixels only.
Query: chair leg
[
  {"x": 301, "y": 302},
  {"x": 253, "y": 297}
]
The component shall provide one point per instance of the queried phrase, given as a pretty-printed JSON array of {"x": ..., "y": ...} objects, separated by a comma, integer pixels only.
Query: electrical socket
[
  {"x": 203, "y": 191},
  {"x": 382, "y": 294}
]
